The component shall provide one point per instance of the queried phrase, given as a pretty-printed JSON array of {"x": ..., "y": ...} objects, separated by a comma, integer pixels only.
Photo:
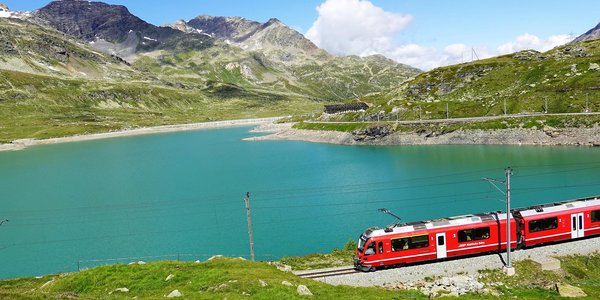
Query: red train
[{"x": 475, "y": 234}]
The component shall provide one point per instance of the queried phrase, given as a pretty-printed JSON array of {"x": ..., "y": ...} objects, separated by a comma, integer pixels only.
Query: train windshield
[{"x": 361, "y": 243}]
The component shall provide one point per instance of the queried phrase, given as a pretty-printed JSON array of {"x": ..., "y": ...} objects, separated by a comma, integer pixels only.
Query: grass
[
  {"x": 225, "y": 278},
  {"x": 537, "y": 122},
  {"x": 234, "y": 278},
  {"x": 532, "y": 283},
  {"x": 343, "y": 127},
  {"x": 51, "y": 107},
  {"x": 544, "y": 82},
  {"x": 337, "y": 258}
]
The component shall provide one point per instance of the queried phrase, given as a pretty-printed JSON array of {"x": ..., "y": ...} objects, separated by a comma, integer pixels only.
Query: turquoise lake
[{"x": 181, "y": 195}]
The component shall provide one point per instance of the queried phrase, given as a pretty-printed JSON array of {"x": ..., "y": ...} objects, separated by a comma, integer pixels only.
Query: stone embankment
[{"x": 543, "y": 136}]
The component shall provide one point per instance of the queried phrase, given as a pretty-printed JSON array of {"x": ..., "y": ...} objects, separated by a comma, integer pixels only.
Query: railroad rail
[{"x": 328, "y": 273}]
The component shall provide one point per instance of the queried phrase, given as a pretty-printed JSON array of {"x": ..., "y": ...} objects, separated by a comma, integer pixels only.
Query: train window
[
  {"x": 361, "y": 243},
  {"x": 543, "y": 224},
  {"x": 412, "y": 242},
  {"x": 380, "y": 246},
  {"x": 370, "y": 249},
  {"x": 596, "y": 216},
  {"x": 473, "y": 234}
]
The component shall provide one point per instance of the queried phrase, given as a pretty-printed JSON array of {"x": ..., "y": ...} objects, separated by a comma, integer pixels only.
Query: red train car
[
  {"x": 559, "y": 221},
  {"x": 431, "y": 240},
  {"x": 475, "y": 234}
]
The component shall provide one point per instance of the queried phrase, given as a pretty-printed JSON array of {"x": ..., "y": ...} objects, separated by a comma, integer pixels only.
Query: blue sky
[{"x": 430, "y": 27}]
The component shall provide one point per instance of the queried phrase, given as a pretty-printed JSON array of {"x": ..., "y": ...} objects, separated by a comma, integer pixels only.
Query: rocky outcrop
[
  {"x": 452, "y": 286},
  {"x": 181, "y": 25},
  {"x": 372, "y": 133},
  {"x": 569, "y": 291},
  {"x": 303, "y": 291},
  {"x": 235, "y": 29},
  {"x": 273, "y": 37},
  {"x": 174, "y": 294}
]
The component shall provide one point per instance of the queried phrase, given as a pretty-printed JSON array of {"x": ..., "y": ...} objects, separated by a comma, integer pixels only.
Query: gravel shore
[
  {"x": 410, "y": 275},
  {"x": 24, "y": 143}
]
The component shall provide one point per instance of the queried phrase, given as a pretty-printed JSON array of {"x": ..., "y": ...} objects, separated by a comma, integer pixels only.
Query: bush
[{"x": 350, "y": 245}]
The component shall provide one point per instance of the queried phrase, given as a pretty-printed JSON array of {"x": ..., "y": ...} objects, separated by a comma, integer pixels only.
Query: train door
[
  {"x": 440, "y": 239},
  {"x": 577, "y": 225}
]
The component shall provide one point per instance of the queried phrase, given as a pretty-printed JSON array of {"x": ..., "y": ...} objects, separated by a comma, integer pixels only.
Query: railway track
[{"x": 329, "y": 273}]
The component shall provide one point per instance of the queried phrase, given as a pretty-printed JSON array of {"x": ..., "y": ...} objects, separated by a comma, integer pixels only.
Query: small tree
[{"x": 350, "y": 245}]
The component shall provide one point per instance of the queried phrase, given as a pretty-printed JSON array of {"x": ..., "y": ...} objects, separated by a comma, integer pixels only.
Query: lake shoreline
[
  {"x": 282, "y": 132},
  {"x": 25, "y": 143},
  {"x": 514, "y": 136}
]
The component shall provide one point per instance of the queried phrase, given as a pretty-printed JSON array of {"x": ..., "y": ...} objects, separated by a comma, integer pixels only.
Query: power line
[
  {"x": 138, "y": 211},
  {"x": 356, "y": 188},
  {"x": 366, "y": 202},
  {"x": 452, "y": 175}
]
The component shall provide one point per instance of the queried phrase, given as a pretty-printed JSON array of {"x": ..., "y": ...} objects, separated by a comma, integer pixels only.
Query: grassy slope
[
  {"x": 36, "y": 106},
  {"x": 525, "y": 80},
  {"x": 537, "y": 122},
  {"x": 217, "y": 279},
  {"x": 557, "y": 81},
  {"x": 236, "y": 279}
]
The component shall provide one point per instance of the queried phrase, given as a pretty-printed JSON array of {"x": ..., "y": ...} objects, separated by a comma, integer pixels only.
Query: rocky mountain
[
  {"x": 112, "y": 28},
  {"x": 592, "y": 34},
  {"x": 272, "y": 56},
  {"x": 26, "y": 47},
  {"x": 273, "y": 38}
]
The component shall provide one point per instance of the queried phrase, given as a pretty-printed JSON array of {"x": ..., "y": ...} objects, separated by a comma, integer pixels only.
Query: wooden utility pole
[
  {"x": 247, "y": 200},
  {"x": 505, "y": 106},
  {"x": 545, "y": 105},
  {"x": 447, "y": 112},
  {"x": 420, "y": 112}
]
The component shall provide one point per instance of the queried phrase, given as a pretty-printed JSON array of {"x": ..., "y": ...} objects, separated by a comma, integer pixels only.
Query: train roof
[
  {"x": 438, "y": 223},
  {"x": 483, "y": 218},
  {"x": 558, "y": 206}
]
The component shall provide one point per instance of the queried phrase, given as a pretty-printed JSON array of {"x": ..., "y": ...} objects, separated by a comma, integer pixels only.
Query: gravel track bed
[{"x": 471, "y": 265}]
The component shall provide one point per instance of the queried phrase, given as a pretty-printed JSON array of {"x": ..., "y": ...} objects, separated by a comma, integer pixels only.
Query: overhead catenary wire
[
  {"x": 335, "y": 189},
  {"x": 150, "y": 207}
]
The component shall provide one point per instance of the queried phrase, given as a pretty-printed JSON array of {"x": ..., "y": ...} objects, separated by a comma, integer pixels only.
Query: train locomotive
[{"x": 440, "y": 239}]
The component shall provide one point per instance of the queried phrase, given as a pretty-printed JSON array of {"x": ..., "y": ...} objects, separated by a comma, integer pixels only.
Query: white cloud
[
  {"x": 357, "y": 27},
  {"x": 529, "y": 41},
  {"x": 414, "y": 55}
]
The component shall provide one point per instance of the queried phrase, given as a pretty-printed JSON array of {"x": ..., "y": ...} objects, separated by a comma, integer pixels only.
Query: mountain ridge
[
  {"x": 104, "y": 24},
  {"x": 591, "y": 34},
  {"x": 272, "y": 37},
  {"x": 77, "y": 81}
]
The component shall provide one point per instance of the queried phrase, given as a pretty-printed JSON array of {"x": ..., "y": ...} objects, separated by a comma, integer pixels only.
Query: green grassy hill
[{"x": 565, "y": 79}]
